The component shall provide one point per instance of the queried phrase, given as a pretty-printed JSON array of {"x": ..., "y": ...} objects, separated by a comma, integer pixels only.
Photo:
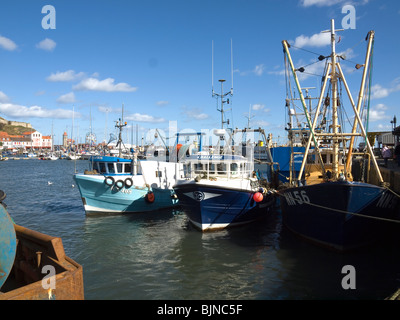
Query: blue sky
[{"x": 155, "y": 58}]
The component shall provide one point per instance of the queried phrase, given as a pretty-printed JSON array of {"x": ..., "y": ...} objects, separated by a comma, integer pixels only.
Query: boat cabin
[
  {"x": 213, "y": 166},
  {"x": 107, "y": 165}
]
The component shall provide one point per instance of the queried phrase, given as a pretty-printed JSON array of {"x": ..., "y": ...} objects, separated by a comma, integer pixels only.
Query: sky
[{"x": 74, "y": 66}]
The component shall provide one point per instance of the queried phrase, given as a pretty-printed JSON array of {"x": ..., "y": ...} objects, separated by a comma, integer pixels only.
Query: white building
[{"x": 28, "y": 140}]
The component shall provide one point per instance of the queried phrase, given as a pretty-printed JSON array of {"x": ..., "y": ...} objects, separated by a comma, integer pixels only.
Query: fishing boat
[
  {"x": 114, "y": 184},
  {"x": 324, "y": 202},
  {"x": 222, "y": 189}
]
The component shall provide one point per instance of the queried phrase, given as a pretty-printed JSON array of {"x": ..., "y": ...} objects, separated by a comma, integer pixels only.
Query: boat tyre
[
  {"x": 128, "y": 182},
  {"x": 109, "y": 181},
  {"x": 2, "y": 195},
  {"x": 119, "y": 184},
  {"x": 150, "y": 197}
]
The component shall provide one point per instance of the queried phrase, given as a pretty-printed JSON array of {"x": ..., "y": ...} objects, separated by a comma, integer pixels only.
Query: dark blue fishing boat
[
  {"x": 221, "y": 190},
  {"x": 324, "y": 203},
  {"x": 342, "y": 215}
]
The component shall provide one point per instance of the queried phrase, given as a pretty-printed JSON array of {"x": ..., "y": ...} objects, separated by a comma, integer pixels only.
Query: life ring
[
  {"x": 109, "y": 181},
  {"x": 128, "y": 182},
  {"x": 150, "y": 197},
  {"x": 119, "y": 184}
]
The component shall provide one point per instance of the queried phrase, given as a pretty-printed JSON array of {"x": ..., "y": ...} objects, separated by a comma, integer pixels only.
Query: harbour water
[{"x": 159, "y": 255}]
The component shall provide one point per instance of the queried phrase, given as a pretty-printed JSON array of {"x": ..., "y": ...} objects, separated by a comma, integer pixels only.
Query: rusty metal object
[{"x": 27, "y": 281}]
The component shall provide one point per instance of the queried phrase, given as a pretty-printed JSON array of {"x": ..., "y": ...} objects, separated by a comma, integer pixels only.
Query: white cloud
[
  {"x": 194, "y": 113},
  {"x": 105, "y": 109},
  {"x": 260, "y": 123},
  {"x": 143, "y": 118},
  {"x": 315, "y": 69},
  {"x": 7, "y": 44},
  {"x": 347, "y": 54},
  {"x": 277, "y": 72},
  {"x": 18, "y": 111},
  {"x": 162, "y": 103},
  {"x": 46, "y": 44},
  {"x": 200, "y": 116},
  {"x": 257, "y": 106},
  {"x": 328, "y": 3},
  {"x": 378, "y": 91},
  {"x": 316, "y": 40},
  {"x": 67, "y": 98},
  {"x": 319, "y": 3},
  {"x": 378, "y": 113},
  {"x": 259, "y": 69},
  {"x": 3, "y": 97},
  {"x": 69, "y": 75},
  {"x": 92, "y": 84}
]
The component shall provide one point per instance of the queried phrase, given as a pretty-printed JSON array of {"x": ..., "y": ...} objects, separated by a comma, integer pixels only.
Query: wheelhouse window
[
  {"x": 120, "y": 167},
  {"x": 128, "y": 167},
  {"x": 102, "y": 167},
  {"x": 110, "y": 167}
]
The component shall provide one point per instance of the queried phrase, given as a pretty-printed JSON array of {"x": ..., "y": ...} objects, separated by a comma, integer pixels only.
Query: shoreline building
[{"x": 32, "y": 140}]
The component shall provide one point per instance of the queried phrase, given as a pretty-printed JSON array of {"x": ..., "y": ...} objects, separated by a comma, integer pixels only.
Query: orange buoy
[
  {"x": 150, "y": 197},
  {"x": 258, "y": 197},
  {"x": 178, "y": 147}
]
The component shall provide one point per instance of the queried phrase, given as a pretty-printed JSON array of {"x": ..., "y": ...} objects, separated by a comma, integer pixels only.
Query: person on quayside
[{"x": 386, "y": 154}]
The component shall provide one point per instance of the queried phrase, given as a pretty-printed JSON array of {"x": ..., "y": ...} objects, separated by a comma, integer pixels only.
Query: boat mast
[
  {"x": 307, "y": 115},
  {"x": 371, "y": 35},
  {"x": 335, "y": 126},
  {"x": 333, "y": 73}
]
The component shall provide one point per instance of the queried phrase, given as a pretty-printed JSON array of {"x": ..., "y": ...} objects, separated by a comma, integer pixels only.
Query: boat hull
[
  {"x": 340, "y": 215},
  {"x": 8, "y": 242},
  {"x": 98, "y": 197},
  {"x": 212, "y": 208}
]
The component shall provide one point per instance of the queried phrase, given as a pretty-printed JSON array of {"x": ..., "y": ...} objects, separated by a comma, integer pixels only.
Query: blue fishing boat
[
  {"x": 8, "y": 241},
  {"x": 114, "y": 184},
  {"x": 324, "y": 203},
  {"x": 118, "y": 185},
  {"x": 221, "y": 189}
]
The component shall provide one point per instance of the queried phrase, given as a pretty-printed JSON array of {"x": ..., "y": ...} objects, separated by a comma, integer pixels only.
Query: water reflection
[{"x": 160, "y": 255}]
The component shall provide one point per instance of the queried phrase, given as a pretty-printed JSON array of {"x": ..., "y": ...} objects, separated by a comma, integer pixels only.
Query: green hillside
[{"x": 13, "y": 130}]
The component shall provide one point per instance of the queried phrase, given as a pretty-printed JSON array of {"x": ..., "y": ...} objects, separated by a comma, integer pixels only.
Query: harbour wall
[{"x": 389, "y": 175}]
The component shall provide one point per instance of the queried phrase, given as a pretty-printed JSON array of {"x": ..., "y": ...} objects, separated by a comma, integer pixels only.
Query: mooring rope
[{"x": 392, "y": 191}]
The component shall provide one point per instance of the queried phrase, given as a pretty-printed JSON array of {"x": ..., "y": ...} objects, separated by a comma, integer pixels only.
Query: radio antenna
[
  {"x": 231, "y": 67},
  {"x": 212, "y": 66},
  {"x": 222, "y": 95}
]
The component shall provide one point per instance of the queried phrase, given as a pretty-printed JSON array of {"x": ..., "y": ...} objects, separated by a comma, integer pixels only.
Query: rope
[
  {"x": 351, "y": 213},
  {"x": 396, "y": 194}
]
